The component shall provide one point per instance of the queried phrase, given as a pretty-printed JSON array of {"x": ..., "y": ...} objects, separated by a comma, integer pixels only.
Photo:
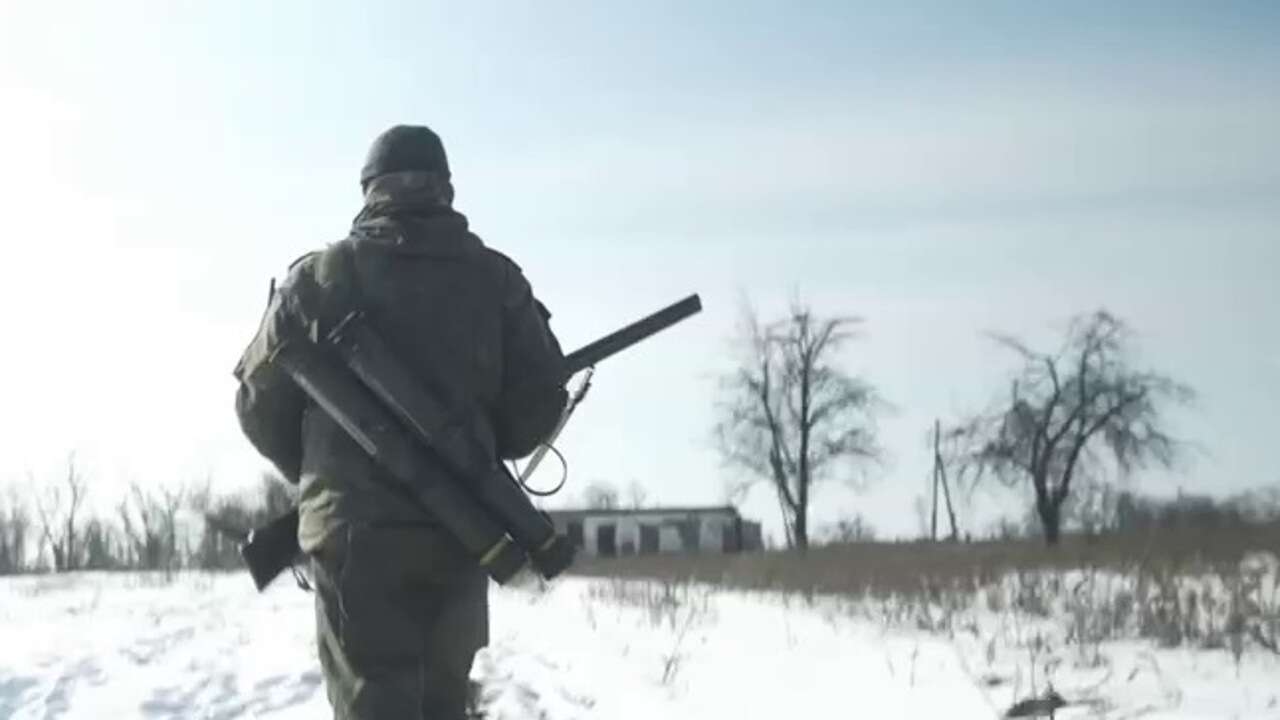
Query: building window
[{"x": 576, "y": 537}]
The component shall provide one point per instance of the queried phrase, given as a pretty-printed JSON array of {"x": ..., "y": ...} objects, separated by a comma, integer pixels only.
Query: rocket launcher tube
[
  {"x": 377, "y": 432},
  {"x": 454, "y": 437}
]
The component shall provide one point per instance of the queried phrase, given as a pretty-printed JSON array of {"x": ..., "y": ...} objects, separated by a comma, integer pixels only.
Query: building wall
[{"x": 705, "y": 530}]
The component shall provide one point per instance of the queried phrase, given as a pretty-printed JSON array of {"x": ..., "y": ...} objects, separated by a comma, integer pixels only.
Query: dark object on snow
[
  {"x": 1042, "y": 707},
  {"x": 992, "y": 680}
]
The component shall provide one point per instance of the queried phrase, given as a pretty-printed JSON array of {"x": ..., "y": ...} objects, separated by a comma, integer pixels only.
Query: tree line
[
  {"x": 791, "y": 416},
  {"x": 52, "y": 528}
]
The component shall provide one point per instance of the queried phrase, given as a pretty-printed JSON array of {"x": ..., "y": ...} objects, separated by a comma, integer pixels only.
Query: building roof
[{"x": 685, "y": 510}]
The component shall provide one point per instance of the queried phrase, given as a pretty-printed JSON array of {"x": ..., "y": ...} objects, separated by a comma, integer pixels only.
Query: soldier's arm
[
  {"x": 533, "y": 393},
  {"x": 269, "y": 405},
  {"x": 272, "y": 420}
]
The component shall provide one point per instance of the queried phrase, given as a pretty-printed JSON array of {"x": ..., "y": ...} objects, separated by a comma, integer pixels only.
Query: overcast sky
[{"x": 942, "y": 170}]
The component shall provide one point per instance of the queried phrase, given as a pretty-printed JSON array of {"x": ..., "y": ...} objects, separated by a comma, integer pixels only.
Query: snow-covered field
[{"x": 207, "y": 646}]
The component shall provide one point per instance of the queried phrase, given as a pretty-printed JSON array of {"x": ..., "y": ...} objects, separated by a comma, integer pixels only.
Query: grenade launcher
[{"x": 410, "y": 429}]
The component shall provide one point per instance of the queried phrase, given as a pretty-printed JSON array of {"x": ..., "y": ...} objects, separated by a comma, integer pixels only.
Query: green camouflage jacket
[{"x": 460, "y": 314}]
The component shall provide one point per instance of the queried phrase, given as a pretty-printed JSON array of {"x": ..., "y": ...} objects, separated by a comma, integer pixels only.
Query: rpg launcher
[{"x": 412, "y": 430}]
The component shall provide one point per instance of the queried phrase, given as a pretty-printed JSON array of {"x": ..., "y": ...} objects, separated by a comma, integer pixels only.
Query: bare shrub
[
  {"x": 853, "y": 529},
  {"x": 150, "y": 523},
  {"x": 1095, "y": 612},
  {"x": 1257, "y": 599},
  {"x": 665, "y": 602},
  {"x": 678, "y": 608},
  {"x": 15, "y": 527},
  {"x": 939, "y": 608},
  {"x": 59, "y": 510},
  {"x": 105, "y": 548}
]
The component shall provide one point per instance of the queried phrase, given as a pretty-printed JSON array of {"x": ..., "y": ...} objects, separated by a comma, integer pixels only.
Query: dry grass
[
  {"x": 1024, "y": 617},
  {"x": 883, "y": 568}
]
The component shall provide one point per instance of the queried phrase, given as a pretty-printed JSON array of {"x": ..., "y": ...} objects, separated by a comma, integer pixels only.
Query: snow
[
  {"x": 206, "y": 646},
  {"x": 124, "y": 646}
]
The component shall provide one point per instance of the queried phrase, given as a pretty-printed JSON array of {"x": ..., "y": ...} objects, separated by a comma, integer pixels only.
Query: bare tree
[
  {"x": 790, "y": 416},
  {"x": 1072, "y": 414},
  {"x": 15, "y": 525},
  {"x": 637, "y": 495},
  {"x": 150, "y": 522},
  {"x": 104, "y": 549},
  {"x": 58, "y": 509},
  {"x": 215, "y": 550},
  {"x": 600, "y": 495}
]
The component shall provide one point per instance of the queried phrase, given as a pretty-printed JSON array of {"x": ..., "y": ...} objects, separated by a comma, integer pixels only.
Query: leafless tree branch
[
  {"x": 790, "y": 416},
  {"x": 1070, "y": 413}
]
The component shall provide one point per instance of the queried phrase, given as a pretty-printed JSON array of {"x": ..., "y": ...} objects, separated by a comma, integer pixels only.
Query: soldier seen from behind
[{"x": 401, "y": 608}]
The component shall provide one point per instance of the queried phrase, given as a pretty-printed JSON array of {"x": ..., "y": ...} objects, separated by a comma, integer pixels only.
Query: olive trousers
[{"x": 400, "y": 614}]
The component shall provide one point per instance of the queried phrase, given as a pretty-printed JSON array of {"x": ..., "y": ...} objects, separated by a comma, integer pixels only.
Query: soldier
[{"x": 400, "y": 607}]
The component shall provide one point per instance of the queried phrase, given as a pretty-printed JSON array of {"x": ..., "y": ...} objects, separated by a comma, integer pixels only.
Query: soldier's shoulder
[
  {"x": 300, "y": 274},
  {"x": 509, "y": 276},
  {"x": 314, "y": 264},
  {"x": 514, "y": 288},
  {"x": 501, "y": 263},
  {"x": 300, "y": 269},
  {"x": 304, "y": 260}
]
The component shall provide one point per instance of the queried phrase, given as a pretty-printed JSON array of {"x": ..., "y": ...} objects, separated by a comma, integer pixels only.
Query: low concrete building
[{"x": 648, "y": 531}]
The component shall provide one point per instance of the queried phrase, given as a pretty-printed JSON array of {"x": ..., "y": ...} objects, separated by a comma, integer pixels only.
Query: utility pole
[
  {"x": 940, "y": 478},
  {"x": 933, "y": 522}
]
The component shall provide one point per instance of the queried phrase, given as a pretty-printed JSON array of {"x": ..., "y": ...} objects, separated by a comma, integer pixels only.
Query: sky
[{"x": 941, "y": 169}]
